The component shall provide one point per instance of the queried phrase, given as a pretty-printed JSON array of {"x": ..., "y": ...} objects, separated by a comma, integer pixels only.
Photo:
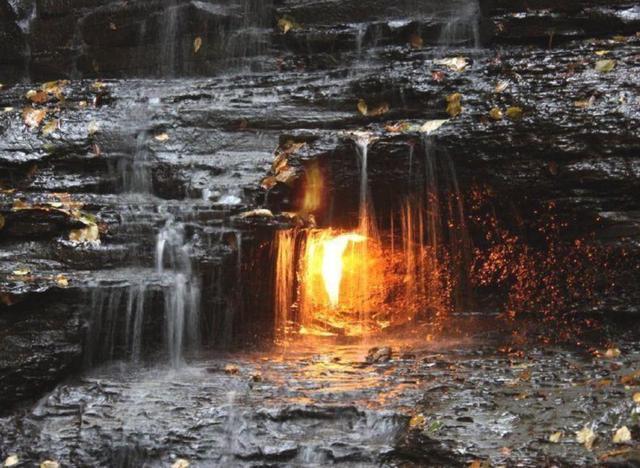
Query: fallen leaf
[
  {"x": 437, "y": 76},
  {"x": 417, "y": 421},
  {"x": 457, "y": 64},
  {"x": 479, "y": 464},
  {"x": 180, "y": 463},
  {"x": 362, "y": 107},
  {"x": 231, "y": 369},
  {"x": 619, "y": 38},
  {"x": 501, "y": 86},
  {"x": 605, "y": 66},
  {"x": 496, "y": 114},
  {"x": 415, "y": 41},
  {"x": 8, "y": 109},
  {"x": 514, "y": 113},
  {"x": 454, "y": 106},
  {"x": 113, "y": 26},
  {"x": 398, "y": 127},
  {"x": 197, "y": 43},
  {"x": 553, "y": 168},
  {"x": 11, "y": 460},
  {"x": 37, "y": 96},
  {"x": 2, "y": 221},
  {"x": 55, "y": 88},
  {"x": 62, "y": 280},
  {"x": 90, "y": 233},
  {"x": 258, "y": 213},
  {"x": 586, "y": 437},
  {"x": 50, "y": 127},
  {"x": 93, "y": 128},
  {"x": 555, "y": 437},
  {"x": 631, "y": 379},
  {"x": 636, "y": 397},
  {"x": 287, "y": 176},
  {"x": 268, "y": 182},
  {"x": 49, "y": 464},
  {"x": 161, "y": 137},
  {"x": 622, "y": 435},
  {"x": 601, "y": 53},
  {"x": 33, "y": 117},
  {"x": 432, "y": 125},
  {"x": 21, "y": 272},
  {"x": 287, "y": 23},
  {"x": 585, "y": 103},
  {"x": 612, "y": 353}
]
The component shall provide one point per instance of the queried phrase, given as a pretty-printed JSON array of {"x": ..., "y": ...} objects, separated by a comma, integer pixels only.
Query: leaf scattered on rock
[
  {"x": 480, "y": 464},
  {"x": 161, "y": 137},
  {"x": 417, "y": 421},
  {"x": 586, "y": 437},
  {"x": 90, "y": 233},
  {"x": 231, "y": 369},
  {"x": 496, "y": 114},
  {"x": 432, "y": 125},
  {"x": 362, "y": 107},
  {"x": 11, "y": 460},
  {"x": 501, "y": 86},
  {"x": 456, "y": 64},
  {"x": 398, "y": 127},
  {"x": 556, "y": 437},
  {"x": 93, "y": 128},
  {"x": 287, "y": 23},
  {"x": 612, "y": 353},
  {"x": 33, "y": 117},
  {"x": 2, "y": 221},
  {"x": 258, "y": 213},
  {"x": 454, "y": 104},
  {"x": 62, "y": 280},
  {"x": 631, "y": 379},
  {"x": 181, "y": 463},
  {"x": 49, "y": 464},
  {"x": 636, "y": 398},
  {"x": 21, "y": 272},
  {"x": 622, "y": 435},
  {"x": 585, "y": 103},
  {"x": 605, "y": 66},
  {"x": 197, "y": 43},
  {"x": 514, "y": 113},
  {"x": 37, "y": 96},
  {"x": 50, "y": 127}
]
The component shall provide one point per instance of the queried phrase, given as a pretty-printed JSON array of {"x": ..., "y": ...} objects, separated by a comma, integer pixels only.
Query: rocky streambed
[{"x": 140, "y": 192}]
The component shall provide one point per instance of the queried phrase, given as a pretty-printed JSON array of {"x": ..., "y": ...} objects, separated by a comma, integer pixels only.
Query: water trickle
[
  {"x": 182, "y": 299},
  {"x": 463, "y": 25},
  {"x": 170, "y": 40}
]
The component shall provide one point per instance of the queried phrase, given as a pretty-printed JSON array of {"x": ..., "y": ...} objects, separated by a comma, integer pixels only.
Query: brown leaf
[
  {"x": 415, "y": 41},
  {"x": 37, "y": 96},
  {"x": 231, "y": 369},
  {"x": 438, "y": 76},
  {"x": 454, "y": 106},
  {"x": 631, "y": 379},
  {"x": 33, "y": 117},
  {"x": 197, "y": 43},
  {"x": 362, "y": 107},
  {"x": 495, "y": 113},
  {"x": 379, "y": 110}
]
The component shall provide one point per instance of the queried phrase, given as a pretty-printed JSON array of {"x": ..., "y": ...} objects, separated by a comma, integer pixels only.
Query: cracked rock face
[{"x": 132, "y": 152}]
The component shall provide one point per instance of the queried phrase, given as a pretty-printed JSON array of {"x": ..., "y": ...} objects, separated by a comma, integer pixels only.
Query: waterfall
[
  {"x": 170, "y": 40},
  {"x": 135, "y": 174},
  {"x": 463, "y": 24},
  {"x": 182, "y": 299}
]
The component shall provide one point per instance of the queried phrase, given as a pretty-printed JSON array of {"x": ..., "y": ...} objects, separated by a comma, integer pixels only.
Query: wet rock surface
[
  {"x": 444, "y": 403},
  {"x": 126, "y": 155}
]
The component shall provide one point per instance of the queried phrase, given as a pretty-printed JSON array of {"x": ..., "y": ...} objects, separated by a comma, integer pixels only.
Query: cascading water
[{"x": 463, "y": 24}]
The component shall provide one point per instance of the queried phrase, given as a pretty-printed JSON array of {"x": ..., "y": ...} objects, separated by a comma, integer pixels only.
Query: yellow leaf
[
  {"x": 457, "y": 64},
  {"x": 612, "y": 353},
  {"x": 555, "y": 437},
  {"x": 586, "y": 437},
  {"x": 454, "y": 106},
  {"x": 37, "y": 96},
  {"x": 432, "y": 125},
  {"x": 8, "y": 109},
  {"x": 362, "y": 107},
  {"x": 91, "y": 233},
  {"x": 257, "y": 213},
  {"x": 514, "y": 113},
  {"x": 287, "y": 23},
  {"x": 501, "y": 86},
  {"x": 417, "y": 421},
  {"x": 22, "y": 272},
  {"x": 50, "y": 127},
  {"x": 601, "y": 53},
  {"x": 231, "y": 369},
  {"x": 197, "y": 43},
  {"x": 62, "y": 280},
  {"x": 636, "y": 397},
  {"x": 586, "y": 103},
  {"x": 161, "y": 137},
  {"x": 495, "y": 114},
  {"x": 33, "y": 117},
  {"x": 49, "y": 464},
  {"x": 180, "y": 463},
  {"x": 11, "y": 460},
  {"x": 622, "y": 435},
  {"x": 605, "y": 66}
]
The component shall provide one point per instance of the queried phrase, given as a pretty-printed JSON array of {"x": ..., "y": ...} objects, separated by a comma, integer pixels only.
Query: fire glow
[{"x": 333, "y": 263}]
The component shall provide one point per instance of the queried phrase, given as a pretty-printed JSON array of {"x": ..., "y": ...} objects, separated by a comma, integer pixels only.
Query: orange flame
[{"x": 332, "y": 264}]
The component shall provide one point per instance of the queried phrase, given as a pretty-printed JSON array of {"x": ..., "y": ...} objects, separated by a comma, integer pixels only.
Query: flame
[{"x": 332, "y": 264}]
